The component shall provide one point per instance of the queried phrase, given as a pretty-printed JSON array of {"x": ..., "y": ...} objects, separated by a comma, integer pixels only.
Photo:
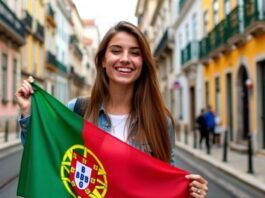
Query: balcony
[
  {"x": 27, "y": 20},
  {"x": 223, "y": 36},
  {"x": 10, "y": 25},
  {"x": 78, "y": 79},
  {"x": 51, "y": 61},
  {"x": 38, "y": 31},
  {"x": 181, "y": 4},
  {"x": 190, "y": 54},
  {"x": 234, "y": 23},
  {"x": 254, "y": 17},
  {"x": 50, "y": 15},
  {"x": 74, "y": 42},
  {"x": 218, "y": 38},
  {"x": 61, "y": 66},
  {"x": 165, "y": 43}
]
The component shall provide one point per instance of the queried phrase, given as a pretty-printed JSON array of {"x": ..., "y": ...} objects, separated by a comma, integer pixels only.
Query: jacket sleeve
[{"x": 24, "y": 122}]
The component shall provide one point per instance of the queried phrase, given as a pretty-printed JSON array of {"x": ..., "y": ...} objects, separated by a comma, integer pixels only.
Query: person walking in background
[
  {"x": 204, "y": 134},
  {"x": 209, "y": 117},
  {"x": 217, "y": 130},
  {"x": 125, "y": 99}
]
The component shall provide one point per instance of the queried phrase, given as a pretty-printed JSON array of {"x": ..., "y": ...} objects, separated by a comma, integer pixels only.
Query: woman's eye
[
  {"x": 135, "y": 53},
  {"x": 115, "y": 51}
]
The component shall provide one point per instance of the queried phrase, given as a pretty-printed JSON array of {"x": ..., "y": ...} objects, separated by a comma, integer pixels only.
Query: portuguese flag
[{"x": 66, "y": 156}]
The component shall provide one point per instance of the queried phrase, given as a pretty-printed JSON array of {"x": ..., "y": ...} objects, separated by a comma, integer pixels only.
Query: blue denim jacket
[{"x": 105, "y": 124}]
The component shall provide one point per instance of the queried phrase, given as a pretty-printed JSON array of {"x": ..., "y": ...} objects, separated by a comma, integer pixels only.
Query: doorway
[
  {"x": 262, "y": 99},
  {"x": 243, "y": 105},
  {"x": 229, "y": 106},
  {"x": 192, "y": 108}
]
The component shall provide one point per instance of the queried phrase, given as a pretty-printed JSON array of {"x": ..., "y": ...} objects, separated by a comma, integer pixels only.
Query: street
[
  {"x": 220, "y": 184},
  {"x": 9, "y": 173}
]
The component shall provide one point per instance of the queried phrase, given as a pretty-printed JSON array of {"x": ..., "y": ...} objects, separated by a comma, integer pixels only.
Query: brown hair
[{"x": 147, "y": 105}]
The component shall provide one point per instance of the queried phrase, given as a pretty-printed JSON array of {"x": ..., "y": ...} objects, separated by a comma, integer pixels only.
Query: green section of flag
[{"x": 53, "y": 129}]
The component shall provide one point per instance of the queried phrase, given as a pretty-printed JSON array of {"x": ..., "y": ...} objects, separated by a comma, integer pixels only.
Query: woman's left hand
[{"x": 198, "y": 186}]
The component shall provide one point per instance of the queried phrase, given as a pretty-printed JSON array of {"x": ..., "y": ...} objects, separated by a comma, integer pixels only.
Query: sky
[{"x": 107, "y": 12}]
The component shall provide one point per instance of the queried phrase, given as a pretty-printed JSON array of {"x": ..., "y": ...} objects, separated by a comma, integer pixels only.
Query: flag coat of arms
[{"x": 66, "y": 156}]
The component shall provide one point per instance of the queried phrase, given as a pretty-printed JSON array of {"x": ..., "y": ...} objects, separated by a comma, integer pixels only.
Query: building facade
[
  {"x": 34, "y": 50},
  {"x": 233, "y": 57},
  {"x": 12, "y": 39},
  {"x": 50, "y": 47},
  {"x": 188, "y": 78}
]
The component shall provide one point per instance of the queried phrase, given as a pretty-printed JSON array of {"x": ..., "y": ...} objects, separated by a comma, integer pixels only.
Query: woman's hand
[
  {"x": 23, "y": 96},
  {"x": 198, "y": 186}
]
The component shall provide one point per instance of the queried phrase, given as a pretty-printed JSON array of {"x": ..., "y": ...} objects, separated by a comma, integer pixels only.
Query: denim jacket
[{"x": 104, "y": 123}]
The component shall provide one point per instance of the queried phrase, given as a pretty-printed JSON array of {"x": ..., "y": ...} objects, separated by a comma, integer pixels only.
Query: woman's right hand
[{"x": 23, "y": 96}]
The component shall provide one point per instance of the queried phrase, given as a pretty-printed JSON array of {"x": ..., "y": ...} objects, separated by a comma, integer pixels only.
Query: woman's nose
[{"x": 125, "y": 57}]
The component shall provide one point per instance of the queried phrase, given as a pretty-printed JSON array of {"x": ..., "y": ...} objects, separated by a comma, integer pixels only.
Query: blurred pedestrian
[
  {"x": 125, "y": 99},
  {"x": 217, "y": 130},
  {"x": 209, "y": 117},
  {"x": 204, "y": 134}
]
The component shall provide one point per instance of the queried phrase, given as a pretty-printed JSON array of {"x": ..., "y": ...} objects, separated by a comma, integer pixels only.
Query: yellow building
[
  {"x": 233, "y": 54},
  {"x": 50, "y": 47},
  {"x": 33, "y": 52}
]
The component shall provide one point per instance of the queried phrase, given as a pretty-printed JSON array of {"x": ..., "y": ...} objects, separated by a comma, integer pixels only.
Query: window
[
  {"x": 206, "y": 93},
  {"x": 187, "y": 34},
  {"x": 33, "y": 57},
  {"x": 180, "y": 41},
  {"x": 25, "y": 2},
  {"x": 4, "y": 78},
  {"x": 215, "y": 12},
  {"x": 205, "y": 22},
  {"x": 217, "y": 95},
  {"x": 41, "y": 69},
  {"x": 180, "y": 103},
  {"x": 14, "y": 87},
  {"x": 227, "y": 6},
  {"x": 194, "y": 27},
  {"x": 24, "y": 52},
  {"x": 34, "y": 9}
]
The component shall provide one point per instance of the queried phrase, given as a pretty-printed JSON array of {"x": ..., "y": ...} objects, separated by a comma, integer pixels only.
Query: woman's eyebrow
[{"x": 118, "y": 46}]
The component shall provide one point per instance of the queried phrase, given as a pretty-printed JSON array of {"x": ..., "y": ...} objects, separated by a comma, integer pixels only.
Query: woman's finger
[
  {"x": 28, "y": 85},
  {"x": 196, "y": 177}
]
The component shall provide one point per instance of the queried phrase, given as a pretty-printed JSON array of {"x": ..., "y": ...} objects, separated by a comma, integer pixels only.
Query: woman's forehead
[{"x": 124, "y": 39}]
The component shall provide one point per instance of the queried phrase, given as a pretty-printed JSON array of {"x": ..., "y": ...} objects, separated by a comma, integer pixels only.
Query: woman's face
[{"x": 123, "y": 59}]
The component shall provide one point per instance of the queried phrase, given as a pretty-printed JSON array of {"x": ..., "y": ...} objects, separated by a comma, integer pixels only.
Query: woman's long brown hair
[{"x": 147, "y": 104}]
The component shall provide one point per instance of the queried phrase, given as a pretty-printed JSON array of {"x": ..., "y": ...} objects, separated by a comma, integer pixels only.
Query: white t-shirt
[{"x": 119, "y": 126}]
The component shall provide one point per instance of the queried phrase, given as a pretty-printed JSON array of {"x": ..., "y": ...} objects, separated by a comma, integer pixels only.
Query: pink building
[{"x": 12, "y": 36}]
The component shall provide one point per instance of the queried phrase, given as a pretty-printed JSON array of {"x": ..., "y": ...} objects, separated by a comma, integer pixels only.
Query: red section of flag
[{"x": 132, "y": 173}]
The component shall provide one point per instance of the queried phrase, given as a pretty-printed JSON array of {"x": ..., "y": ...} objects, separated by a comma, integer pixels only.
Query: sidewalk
[
  {"x": 11, "y": 145},
  {"x": 236, "y": 165}
]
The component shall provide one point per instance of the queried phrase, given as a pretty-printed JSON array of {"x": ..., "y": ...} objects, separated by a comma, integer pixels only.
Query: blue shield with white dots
[{"x": 82, "y": 175}]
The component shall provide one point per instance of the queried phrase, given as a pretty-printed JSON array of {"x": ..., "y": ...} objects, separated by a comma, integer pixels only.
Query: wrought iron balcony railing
[
  {"x": 181, "y": 4},
  {"x": 11, "y": 25},
  {"x": 27, "y": 20},
  {"x": 50, "y": 59},
  {"x": 38, "y": 31},
  {"x": 190, "y": 52},
  {"x": 50, "y": 11},
  {"x": 74, "y": 41},
  {"x": 61, "y": 66},
  {"x": 162, "y": 44}
]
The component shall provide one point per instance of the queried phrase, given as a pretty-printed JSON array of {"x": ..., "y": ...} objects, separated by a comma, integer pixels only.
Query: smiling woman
[{"x": 125, "y": 99}]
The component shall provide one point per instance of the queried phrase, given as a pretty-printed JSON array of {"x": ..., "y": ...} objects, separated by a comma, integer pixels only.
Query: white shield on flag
[{"x": 82, "y": 175}]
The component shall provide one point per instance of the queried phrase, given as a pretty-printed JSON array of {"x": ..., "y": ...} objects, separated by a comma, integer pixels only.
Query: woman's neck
[{"x": 119, "y": 102}]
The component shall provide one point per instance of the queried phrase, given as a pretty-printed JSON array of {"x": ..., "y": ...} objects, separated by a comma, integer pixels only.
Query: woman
[{"x": 125, "y": 99}]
